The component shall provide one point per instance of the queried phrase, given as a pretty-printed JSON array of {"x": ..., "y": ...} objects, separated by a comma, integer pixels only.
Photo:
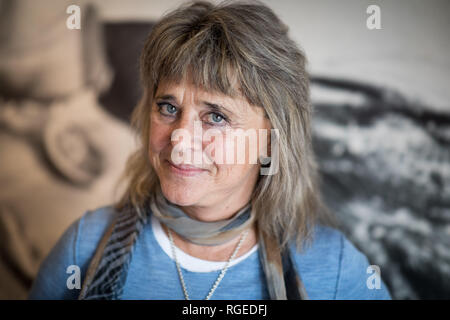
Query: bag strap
[
  {"x": 282, "y": 277},
  {"x": 96, "y": 259}
]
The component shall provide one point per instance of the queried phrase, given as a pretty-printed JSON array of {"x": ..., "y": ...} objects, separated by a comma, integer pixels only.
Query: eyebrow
[
  {"x": 167, "y": 97},
  {"x": 218, "y": 108},
  {"x": 212, "y": 106}
]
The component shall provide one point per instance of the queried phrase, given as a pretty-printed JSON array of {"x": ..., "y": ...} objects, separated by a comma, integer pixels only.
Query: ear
[
  {"x": 264, "y": 138},
  {"x": 264, "y": 141},
  {"x": 270, "y": 164}
]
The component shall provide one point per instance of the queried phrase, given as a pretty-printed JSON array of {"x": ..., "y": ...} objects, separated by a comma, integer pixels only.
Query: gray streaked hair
[{"x": 238, "y": 48}]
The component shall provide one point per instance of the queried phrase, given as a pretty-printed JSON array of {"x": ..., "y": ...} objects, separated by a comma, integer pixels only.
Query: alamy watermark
[
  {"x": 74, "y": 20},
  {"x": 235, "y": 146},
  {"x": 74, "y": 280},
  {"x": 374, "y": 19},
  {"x": 374, "y": 280}
]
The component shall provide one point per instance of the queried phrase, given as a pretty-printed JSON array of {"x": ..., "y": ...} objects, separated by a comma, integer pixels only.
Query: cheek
[
  {"x": 159, "y": 137},
  {"x": 232, "y": 161},
  {"x": 228, "y": 149},
  {"x": 236, "y": 176}
]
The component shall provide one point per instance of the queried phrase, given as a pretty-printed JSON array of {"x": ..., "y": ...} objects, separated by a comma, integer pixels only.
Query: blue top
[{"x": 331, "y": 268}]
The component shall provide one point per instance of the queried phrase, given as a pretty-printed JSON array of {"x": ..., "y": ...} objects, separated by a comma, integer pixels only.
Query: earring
[{"x": 265, "y": 161}]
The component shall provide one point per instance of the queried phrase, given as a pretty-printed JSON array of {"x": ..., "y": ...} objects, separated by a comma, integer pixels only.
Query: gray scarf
[{"x": 108, "y": 269}]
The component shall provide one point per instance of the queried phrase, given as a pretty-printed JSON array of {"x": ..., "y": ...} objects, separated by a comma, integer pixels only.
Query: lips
[{"x": 185, "y": 169}]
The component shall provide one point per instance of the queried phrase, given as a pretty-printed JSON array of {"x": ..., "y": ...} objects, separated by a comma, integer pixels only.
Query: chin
[{"x": 181, "y": 196}]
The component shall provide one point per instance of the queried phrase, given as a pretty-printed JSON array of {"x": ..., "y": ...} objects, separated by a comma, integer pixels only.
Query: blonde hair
[{"x": 244, "y": 43}]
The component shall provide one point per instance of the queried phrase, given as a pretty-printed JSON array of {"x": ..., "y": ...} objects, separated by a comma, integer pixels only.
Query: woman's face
[{"x": 192, "y": 151}]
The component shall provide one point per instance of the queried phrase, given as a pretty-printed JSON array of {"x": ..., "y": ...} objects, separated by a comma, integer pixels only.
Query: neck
[
  {"x": 222, "y": 209},
  {"x": 220, "y": 252},
  {"x": 219, "y": 209}
]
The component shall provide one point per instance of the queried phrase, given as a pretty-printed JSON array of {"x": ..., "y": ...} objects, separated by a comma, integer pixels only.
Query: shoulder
[
  {"x": 91, "y": 227},
  {"x": 75, "y": 248},
  {"x": 331, "y": 267}
]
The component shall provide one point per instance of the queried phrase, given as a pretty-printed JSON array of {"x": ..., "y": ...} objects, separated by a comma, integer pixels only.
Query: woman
[{"x": 196, "y": 222}]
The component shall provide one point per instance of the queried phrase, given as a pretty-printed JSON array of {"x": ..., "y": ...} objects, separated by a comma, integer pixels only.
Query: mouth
[{"x": 186, "y": 170}]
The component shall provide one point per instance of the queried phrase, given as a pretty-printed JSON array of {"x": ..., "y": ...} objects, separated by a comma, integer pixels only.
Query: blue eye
[
  {"x": 167, "y": 109},
  {"x": 216, "y": 118}
]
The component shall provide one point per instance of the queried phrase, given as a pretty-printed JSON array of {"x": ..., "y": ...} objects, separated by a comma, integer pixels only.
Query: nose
[
  {"x": 186, "y": 137},
  {"x": 187, "y": 126}
]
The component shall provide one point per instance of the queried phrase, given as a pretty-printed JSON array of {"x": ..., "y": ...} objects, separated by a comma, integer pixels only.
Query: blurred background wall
[{"x": 381, "y": 128}]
